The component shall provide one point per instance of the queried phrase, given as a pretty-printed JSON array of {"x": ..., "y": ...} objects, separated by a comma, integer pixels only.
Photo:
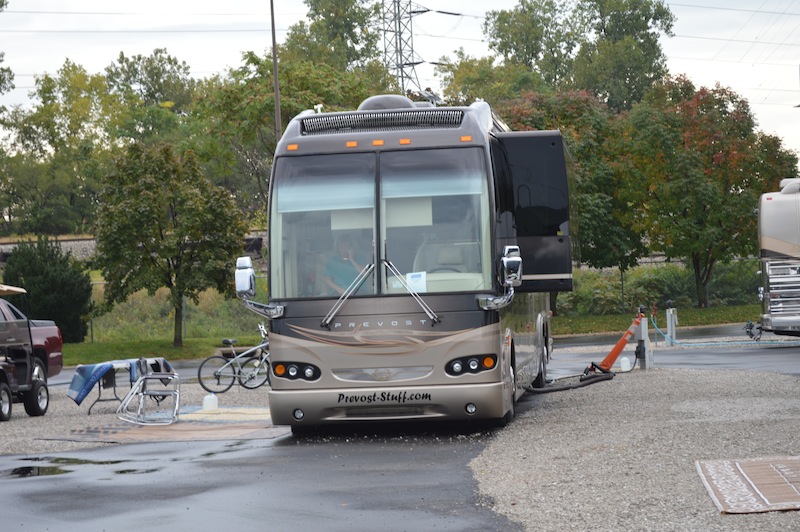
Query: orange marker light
[
  {"x": 405, "y": 142},
  {"x": 488, "y": 362},
  {"x": 377, "y": 142},
  {"x": 351, "y": 144},
  {"x": 466, "y": 138},
  {"x": 280, "y": 370},
  {"x": 292, "y": 147}
]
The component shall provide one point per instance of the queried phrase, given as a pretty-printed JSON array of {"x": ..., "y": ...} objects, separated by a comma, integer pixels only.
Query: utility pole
[
  {"x": 398, "y": 46},
  {"x": 277, "y": 88}
]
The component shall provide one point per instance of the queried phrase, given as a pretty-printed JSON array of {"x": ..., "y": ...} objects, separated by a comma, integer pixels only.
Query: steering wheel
[{"x": 444, "y": 269}]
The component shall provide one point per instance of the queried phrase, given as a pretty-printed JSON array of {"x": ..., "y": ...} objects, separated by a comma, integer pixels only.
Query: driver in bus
[{"x": 344, "y": 266}]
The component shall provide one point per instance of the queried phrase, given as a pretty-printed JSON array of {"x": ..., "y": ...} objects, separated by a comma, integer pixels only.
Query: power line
[
  {"x": 734, "y": 9},
  {"x": 735, "y": 40},
  {"x": 241, "y": 30}
]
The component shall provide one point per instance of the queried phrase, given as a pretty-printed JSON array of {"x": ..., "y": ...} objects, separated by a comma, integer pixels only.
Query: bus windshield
[{"x": 431, "y": 221}]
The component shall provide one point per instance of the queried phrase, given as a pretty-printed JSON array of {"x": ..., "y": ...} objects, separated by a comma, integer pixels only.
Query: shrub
[
  {"x": 59, "y": 288},
  {"x": 603, "y": 292}
]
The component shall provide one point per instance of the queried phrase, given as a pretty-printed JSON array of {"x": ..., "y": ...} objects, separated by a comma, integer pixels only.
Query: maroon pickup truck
[{"x": 30, "y": 352}]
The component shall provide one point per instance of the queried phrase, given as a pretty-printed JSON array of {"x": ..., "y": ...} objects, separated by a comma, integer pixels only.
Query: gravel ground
[{"x": 620, "y": 454}]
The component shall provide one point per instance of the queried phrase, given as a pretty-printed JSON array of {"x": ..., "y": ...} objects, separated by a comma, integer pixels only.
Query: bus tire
[
  {"x": 541, "y": 377},
  {"x": 509, "y": 415}
]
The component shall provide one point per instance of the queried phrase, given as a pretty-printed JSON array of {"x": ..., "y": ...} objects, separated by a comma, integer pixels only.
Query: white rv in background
[{"x": 779, "y": 251}]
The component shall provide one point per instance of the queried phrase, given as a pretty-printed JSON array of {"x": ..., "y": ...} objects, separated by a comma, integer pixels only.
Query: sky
[{"x": 749, "y": 46}]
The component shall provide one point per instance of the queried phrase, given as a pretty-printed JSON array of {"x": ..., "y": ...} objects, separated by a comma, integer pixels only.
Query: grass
[{"x": 193, "y": 348}]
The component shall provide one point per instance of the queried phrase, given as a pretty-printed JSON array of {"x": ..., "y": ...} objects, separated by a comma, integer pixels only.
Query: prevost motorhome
[
  {"x": 779, "y": 243},
  {"x": 412, "y": 250}
]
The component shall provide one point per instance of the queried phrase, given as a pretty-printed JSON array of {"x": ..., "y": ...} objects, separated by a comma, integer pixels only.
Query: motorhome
[
  {"x": 779, "y": 251},
  {"x": 412, "y": 253}
]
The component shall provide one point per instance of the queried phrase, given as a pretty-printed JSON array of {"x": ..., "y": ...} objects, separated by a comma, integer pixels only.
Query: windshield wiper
[
  {"x": 355, "y": 285},
  {"x": 400, "y": 277}
]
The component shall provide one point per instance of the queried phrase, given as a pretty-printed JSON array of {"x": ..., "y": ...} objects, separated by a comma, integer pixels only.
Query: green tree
[
  {"x": 36, "y": 196},
  {"x": 238, "y": 112},
  {"x": 697, "y": 170},
  {"x": 161, "y": 224},
  {"x": 341, "y": 33},
  {"x": 156, "y": 90},
  {"x": 59, "y": 287},
  {"x": 541, "y": 35},
  {"x": 6, "y": 75},
  {"x": 624, "y": 59},
  {"x": 66, "y": 142},
  {"x": 467, "y": 78}
]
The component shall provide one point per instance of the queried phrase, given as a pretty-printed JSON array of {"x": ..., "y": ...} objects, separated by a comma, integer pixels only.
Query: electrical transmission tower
[{"x": 398, "y": 46}]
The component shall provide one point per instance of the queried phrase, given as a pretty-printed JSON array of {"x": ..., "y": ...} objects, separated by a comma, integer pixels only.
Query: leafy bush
[
  {"x": 595, "y": 292},
  {"x": 656, "y": 284},
  {"x": 603, "y": 292},
  {"x": 735, "y": 283},
  {"x": 59, "y": 288}
]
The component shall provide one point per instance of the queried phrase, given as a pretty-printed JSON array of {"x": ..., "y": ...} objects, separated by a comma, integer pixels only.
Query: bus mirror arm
[
  {"x": 245, "y": 277},
  {"x": 511, "y": 272},
  {"x": 268, "y": 311}
]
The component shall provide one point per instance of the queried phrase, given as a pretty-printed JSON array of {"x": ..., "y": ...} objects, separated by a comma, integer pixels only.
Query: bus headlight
[
  {"x": 473, "y": 364},
  {"x": 296, "y": 371}
]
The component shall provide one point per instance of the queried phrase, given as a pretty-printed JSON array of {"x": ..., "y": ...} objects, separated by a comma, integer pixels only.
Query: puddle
[
  {"x": 136, "y": 471},
  {"x": 33, "y": 471},
  {"x": 55, "y": 467}
]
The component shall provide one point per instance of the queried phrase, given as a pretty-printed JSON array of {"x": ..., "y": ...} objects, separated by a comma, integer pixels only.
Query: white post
[
  {"x": 643, "y": 351},
  {"x": 672, "y": 323}
]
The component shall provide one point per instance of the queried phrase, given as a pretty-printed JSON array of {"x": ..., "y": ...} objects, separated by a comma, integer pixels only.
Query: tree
[
  {"x": 238, "y": 111},
  {"x": 161, "y": 224},
  {"x": 156, "y": 90},
  {"x": 697, "y": 170},
  {"x": 66, "y": 141},
  {"x": 541, "y": 35},
  {"x": 36, "y": 196},
  {"x": 469, "y": 78},
  {"x": 604, "y": 234},
  {"x": 625, "y": 58},
  {"x": 59, "y": 288},
  {"x": 341, "y": 34},
  {"x": 6, "y": 75}
]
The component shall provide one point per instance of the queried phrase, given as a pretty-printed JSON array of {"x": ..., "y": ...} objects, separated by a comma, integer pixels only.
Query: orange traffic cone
[{"x": 608, "y": 362}]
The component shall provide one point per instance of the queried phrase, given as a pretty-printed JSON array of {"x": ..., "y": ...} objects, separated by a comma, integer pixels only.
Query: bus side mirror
[
  {"x": 245, "y": 277},
  {"x": 511, "y": 266}
]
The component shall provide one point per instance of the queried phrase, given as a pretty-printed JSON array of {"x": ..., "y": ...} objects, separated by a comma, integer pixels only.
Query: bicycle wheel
[
  {"x": 216, "y": 374},
  {"x": 254, "y": 372}
]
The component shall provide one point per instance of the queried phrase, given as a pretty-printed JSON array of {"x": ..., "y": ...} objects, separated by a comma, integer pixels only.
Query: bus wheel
[
  {"x": 541, "y": 378},
  {"x": 509, "y": 416}
]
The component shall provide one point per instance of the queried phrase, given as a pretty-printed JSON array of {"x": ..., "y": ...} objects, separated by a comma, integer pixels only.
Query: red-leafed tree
[{"x": 696, "y": 169}]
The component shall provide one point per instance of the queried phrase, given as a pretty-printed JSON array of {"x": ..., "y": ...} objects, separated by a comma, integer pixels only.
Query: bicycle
[{"x": 217, "y": 373}]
